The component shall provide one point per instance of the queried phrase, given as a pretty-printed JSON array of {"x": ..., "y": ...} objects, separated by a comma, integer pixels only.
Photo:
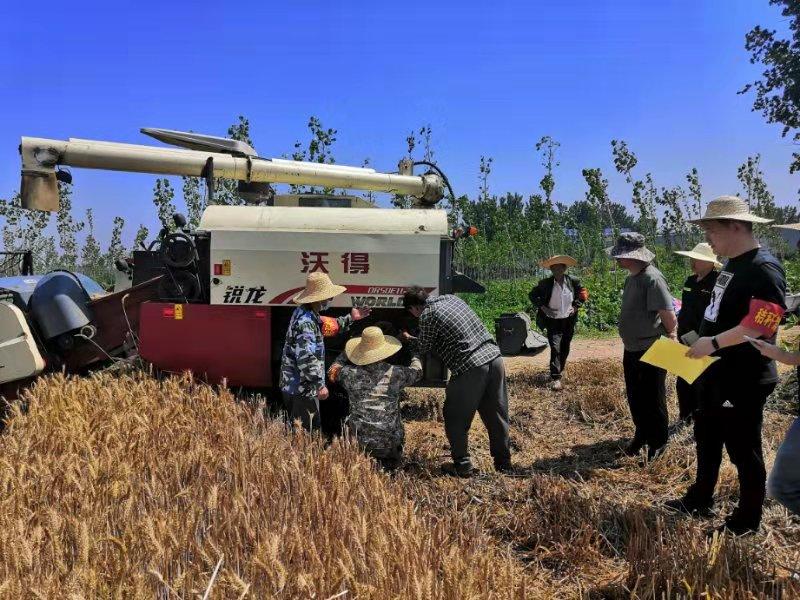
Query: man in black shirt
[
  {"x": 748, "y": 300},
  {"x": 694, "y": 299}
]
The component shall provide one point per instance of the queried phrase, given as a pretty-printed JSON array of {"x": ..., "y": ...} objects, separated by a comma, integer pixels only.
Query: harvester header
[{"x": 200, "y": 156}]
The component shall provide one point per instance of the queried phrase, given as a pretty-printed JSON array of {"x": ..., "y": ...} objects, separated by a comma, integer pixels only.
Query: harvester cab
[{"x": 217, "y": 300}]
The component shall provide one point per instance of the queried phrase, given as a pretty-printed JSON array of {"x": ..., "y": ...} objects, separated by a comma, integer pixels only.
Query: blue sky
[{"x": 490, "y": 78}]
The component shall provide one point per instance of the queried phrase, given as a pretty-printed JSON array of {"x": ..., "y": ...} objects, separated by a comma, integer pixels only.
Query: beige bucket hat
[
  {"x": 730, "y": 208},
  {"x": 701, "y": 252},
  {"x": 631, "y": 245},
  {"x": 319, "y": 287},
  {"x": 558, "y": 259},
  {"x": 371, "y": 347}
]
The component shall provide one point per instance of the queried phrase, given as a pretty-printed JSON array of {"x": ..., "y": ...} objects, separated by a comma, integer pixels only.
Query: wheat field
[{"x": 122, "y": 486}]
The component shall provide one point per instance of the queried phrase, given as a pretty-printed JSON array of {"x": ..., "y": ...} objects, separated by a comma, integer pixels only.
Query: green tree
[
  {"x": 777, "y": 93},
  {"x": 226, "y": 191},
  {"x": 673, "y": 222},
  {"x": 547, "y": 147},
  {"x": 140, "y": 240},
  {"x": 92, "y": 263},
  {"x": 67, "y": 228},
  {"x": 319, "y": 149},
  {"x": 644, "y": 203},
  {"x": 25, "y": 230},
  {"x": 163, "y": 199},
  {"x": 426, "y": 134},
  {"x": 760, "y": 199},
  {"x": 597, "y": 196},
  {"x": 116, "y": 249}
]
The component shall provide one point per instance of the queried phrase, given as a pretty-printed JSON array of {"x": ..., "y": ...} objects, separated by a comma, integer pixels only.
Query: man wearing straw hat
[
  {"x": 748, "y": 300},
  {"x": 373, "y": 387},
  {"x": 302, "y": 379},
  {"x": 557, "y": 299},
  {"x": 647, "y": 314},
  {"x": 694, "y": 299}
]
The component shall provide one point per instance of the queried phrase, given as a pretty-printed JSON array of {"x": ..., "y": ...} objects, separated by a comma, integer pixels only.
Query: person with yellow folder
[
  {"x": 748, "y": 300},
  {"x": 695, "y": 297}
]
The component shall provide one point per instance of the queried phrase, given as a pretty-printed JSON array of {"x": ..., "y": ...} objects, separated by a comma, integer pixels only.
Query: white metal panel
[
  {"x": 419, "y": 222},
  {"x": 269, "y": 267},
  {"x": 19, "y": 356}
]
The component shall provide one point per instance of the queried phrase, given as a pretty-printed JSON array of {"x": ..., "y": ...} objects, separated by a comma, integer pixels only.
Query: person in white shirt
[{"x": 557, "y": 299}]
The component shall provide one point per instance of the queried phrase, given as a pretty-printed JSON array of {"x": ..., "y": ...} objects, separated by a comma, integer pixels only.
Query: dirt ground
[{"x": 581, "y": 349}]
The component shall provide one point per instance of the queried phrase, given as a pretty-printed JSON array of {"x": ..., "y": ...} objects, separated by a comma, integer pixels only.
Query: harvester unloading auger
[{"x": 216, "y": 300}]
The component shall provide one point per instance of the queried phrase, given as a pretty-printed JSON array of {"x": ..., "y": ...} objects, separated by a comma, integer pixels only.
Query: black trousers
[
  {"x": 687, "y": 399},
  {"x": 738, "y": 430},
  {"x": 559, "y": 336},
  {"x": 646, "y": 389}
]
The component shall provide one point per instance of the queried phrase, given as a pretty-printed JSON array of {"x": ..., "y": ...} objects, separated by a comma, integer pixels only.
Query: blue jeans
[{"x": 784, "y": 481}]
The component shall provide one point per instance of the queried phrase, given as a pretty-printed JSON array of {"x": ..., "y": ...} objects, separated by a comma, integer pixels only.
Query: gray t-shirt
[{"x": 642, "y": 297}]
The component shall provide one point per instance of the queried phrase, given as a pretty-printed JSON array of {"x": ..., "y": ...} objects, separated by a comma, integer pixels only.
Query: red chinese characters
[
  {"x": 356, "y": 262},
  {"x": 314, "y": 261}
]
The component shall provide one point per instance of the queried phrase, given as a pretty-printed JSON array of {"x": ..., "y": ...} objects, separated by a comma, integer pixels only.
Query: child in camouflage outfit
[{"x": 373, "y": 386}]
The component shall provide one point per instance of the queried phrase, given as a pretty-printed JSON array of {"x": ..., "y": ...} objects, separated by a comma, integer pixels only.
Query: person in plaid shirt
[{"x": 450, "y": 328}]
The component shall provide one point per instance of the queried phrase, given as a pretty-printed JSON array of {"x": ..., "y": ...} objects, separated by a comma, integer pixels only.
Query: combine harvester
[{"x": 216, "y": 301}]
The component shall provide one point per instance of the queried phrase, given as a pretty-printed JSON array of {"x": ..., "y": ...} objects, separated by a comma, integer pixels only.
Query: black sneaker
[
  {"x": 737, "y": 526},
  {"x": 687, "y": 506},
  {"x": 654, "y": 453},
  {"x": 458, "y": 470},
  {"x": 504, "y": 467},
  {"x": 633, "y": 448}
]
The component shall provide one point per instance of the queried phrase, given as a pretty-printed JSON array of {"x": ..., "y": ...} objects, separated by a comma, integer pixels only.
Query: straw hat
[
  {"x": 558, "y": 259},
  {"x": 631, "y": 245},
  {"x": 701, "y": 252},
  {"x": 371, "y": 347},
  {"x": 319, "y": 287},
  {"x": 730, "y": 208}
]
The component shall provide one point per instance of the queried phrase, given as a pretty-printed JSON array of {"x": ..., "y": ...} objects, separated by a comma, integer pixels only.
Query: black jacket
[{"x": 540, "y": 295}]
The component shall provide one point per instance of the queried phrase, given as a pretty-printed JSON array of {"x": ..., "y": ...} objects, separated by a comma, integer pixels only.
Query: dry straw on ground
[{"x": 126, "y": 487}]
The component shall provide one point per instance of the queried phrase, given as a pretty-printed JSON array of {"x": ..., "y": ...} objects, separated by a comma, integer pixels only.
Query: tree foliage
[{"x": 777, "y": 93}]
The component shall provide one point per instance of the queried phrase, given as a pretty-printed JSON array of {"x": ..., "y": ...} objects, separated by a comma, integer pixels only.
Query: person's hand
[
  {"x": 702, "y": 347},
  {"x": 766, "y": 349},
  {"x": 673, "y": 335},
  {"x": 333, "y": 372},
  {"x": 360, "y": 313},
  {"x": 322, "y": 394},
  {"x": 406, "y": 337}
]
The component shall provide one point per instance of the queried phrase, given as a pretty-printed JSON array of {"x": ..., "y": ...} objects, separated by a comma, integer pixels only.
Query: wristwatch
[{"x": 715, "y": 343}]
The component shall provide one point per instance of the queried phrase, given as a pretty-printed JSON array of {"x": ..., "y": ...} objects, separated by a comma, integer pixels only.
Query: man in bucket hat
[
  {"x": 694, "y": 299},
  {"x": 302, "y": 379},
  {"x": 557, "y": 299},
  {"x": 373, "y": 387},
  {"x": 647, "y": 314},
  {"x": 748, "y": 300}
]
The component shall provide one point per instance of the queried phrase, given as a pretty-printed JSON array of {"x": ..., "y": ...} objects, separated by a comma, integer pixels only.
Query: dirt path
[{"x": 582, "y": 349}]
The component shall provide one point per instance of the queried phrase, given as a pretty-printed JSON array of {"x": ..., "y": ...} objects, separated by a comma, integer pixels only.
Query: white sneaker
[{"x": 556, "y": 385}]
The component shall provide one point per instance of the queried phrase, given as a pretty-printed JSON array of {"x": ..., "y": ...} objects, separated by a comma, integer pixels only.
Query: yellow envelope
[{"x": 671, "y": 356}]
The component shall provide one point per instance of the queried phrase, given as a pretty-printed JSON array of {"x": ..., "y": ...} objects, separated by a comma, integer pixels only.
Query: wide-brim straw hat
[
  {"x": 702, "y": 252},
  {"x": 371, "y": 347},
  {"x": 558, "y": 259},
  {"x": 729, "y": 208},
  {"x": 631, "y": 245},
  {"x": 319, "y": 287}
]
